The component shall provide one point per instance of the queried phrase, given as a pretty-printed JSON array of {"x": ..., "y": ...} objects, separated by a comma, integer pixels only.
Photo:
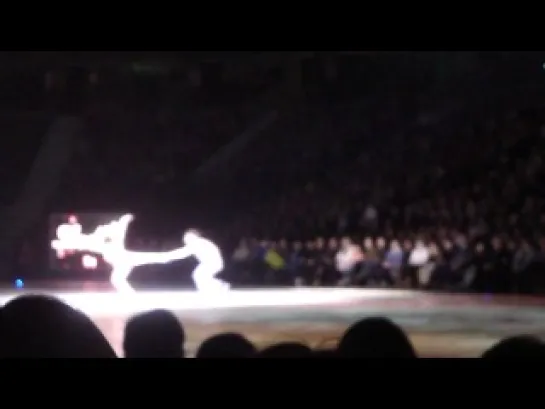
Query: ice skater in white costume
[
  {"x": 124, "y": 261},
  {"x": 209, "y": 257},
  {"x": 109, "y": 241}
]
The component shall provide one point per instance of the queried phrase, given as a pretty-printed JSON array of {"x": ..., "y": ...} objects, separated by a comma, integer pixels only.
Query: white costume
[
  {"x": 123, "y": 261},
  {"x": 210, "y": 261},
  {"x": 109, "y": 241}
]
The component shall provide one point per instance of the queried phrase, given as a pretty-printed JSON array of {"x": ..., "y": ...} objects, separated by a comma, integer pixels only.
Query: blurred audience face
[
  {"x": 461, "y": 241},
  {"x": 320, "y": 243},
  {"x": 346, "y": 242},
  {"x": 380, "y": 243},
  {"x": 447, "y": 245},
  {"x": 433, "y": 249},
  {"x": 419, "y": 244},
  {"x": 497, "y": 243}
]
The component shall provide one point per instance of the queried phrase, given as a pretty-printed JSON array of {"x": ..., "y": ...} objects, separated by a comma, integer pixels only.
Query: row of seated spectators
[
  {"x": 34, "y": 326},
  {"x": 447, "y": 261},
  {"x": 478, "y": 174}
]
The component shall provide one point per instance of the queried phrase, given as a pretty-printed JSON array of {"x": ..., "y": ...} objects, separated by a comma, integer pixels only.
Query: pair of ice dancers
[{"x": 109, "y": 241}]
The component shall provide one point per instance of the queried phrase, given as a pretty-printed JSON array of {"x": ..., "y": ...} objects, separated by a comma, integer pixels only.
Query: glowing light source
[{"x": 89, "y": 262}]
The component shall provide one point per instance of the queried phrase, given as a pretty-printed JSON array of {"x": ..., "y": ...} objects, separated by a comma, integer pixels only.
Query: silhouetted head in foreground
[
  {"x": 519, "y": 347},
  {"x": 324, "y": 353},
  {"x": 286, "y": 350},
  {"x": 375, "y": 338},
  {"x": 154, "y": 334},
  {"x": 228, "y": 345},
  {"x": 35, "y": 326}
]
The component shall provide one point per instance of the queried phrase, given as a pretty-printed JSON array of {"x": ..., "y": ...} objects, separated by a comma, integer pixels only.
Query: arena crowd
[{"x": 396, "y": 186}]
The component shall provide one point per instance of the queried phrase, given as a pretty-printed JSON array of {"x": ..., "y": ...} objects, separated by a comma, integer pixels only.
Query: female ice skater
[
  {"x": 209, "y": 257},
  {"x": 124, "y": 261},
  {"x": 109, "y": 241}
]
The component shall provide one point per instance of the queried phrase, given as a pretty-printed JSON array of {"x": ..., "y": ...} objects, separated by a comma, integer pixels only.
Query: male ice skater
[{"x": 209, "y": 257}]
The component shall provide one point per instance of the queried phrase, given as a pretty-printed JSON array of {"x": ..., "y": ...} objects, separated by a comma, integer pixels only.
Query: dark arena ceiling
[
  {"x": 451, "y": 64},
  {"x": 83, "y": 58},
  {"x": 45, "y": 60}
]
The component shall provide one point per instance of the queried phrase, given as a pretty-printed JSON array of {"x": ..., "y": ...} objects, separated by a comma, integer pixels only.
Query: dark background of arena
[{"x": 279, "y": 146}]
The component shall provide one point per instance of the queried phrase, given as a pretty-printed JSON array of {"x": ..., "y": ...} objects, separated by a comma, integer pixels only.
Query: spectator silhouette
[
  {"x": 36, "y": 326},
  {"x": 286, "y": 350},
  {"x": 154, "y": 334},
  {"x": 375, "y": 337},
  {"x": 517, "y": 347},
  {"x": 227, "y": 345},
  {"x": 324, "y": 353}
]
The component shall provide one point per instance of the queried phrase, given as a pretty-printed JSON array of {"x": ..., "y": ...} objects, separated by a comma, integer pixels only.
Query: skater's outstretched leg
[
  {"x": 205, "y": 280},
  {"x": 119, "y": 278}
]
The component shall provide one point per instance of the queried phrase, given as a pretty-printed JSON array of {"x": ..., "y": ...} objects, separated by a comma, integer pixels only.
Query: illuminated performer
[
  {"x": 209, "y": 257},
  {"x": 124, "y": 261},
  {"x": 109, "y": 241}
]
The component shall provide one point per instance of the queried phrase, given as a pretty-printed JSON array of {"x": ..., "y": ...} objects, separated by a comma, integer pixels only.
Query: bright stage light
[{"x": 89, "y": 262}]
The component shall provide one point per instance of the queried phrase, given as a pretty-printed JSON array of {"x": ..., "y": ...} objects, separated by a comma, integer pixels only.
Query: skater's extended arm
[
  {"x": 140, "y": 258},
  {"x": 178, "y": 254},
  {"x": 122, "y": 226}
]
